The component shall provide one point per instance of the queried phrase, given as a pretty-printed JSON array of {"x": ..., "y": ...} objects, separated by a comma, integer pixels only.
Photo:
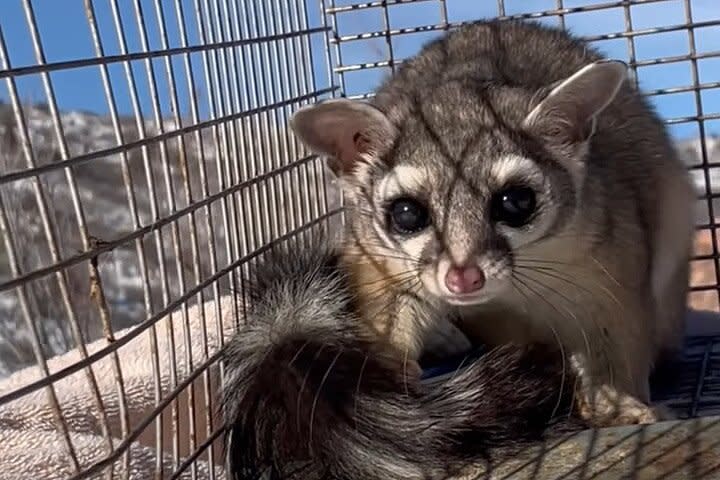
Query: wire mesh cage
[{"x": 145, "y": 163}]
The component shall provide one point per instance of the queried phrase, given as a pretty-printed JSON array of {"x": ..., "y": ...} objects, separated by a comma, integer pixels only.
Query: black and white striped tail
[{"x": 306, "y": 397}]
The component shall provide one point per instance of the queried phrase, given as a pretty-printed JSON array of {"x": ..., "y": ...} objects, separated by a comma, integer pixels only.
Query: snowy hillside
[
  {"x": 692, "y": 154},
  {"x": 109, "y": 217}
]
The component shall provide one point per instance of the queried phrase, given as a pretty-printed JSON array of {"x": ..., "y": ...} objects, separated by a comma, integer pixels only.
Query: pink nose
[{"x": 464, "y": 279}]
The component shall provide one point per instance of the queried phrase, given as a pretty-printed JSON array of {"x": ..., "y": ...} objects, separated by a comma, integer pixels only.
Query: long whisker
[
  {"x": 398, "y": 288},
  {"x": 357, "y": 391},
  {"x": 398, "y": 282},
  {"x": 387, "y": 278},
  {"x": 569, "y": 312},
  {"x": 405, "y": 375},
  {"x": 351, "y": 240},
  {"x": 562, "y": 352},
  {"x": 558, "y": 274},
  {"x": 460, "y": 366},
  {"x": 317, "y": 397},
  {"x": 552, "y": 262},
  {"x": 302, "y": 385},
  {"x": 372, "y": 254},
  {"x": 299, "y": 351},
  {"x": 611, "y": 372},
  {"x": 605, "y": 270},
  {"x": 371, "y": 250},
  {"x": 379, "y": 255},
  {"x": 393, "y": 301},
  {"x": 585, "y": 236},
  {"x": 547, "y": 261}
]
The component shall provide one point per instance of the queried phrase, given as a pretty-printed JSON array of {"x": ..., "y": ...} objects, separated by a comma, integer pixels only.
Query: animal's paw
[{"x": 604, "y": 406}]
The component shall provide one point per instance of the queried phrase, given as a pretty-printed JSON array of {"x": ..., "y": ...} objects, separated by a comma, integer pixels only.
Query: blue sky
[{"x": 66, "y": 36}]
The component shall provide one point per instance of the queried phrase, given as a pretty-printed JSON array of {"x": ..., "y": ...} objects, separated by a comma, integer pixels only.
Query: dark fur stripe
[{"x": 307, "y": 397}]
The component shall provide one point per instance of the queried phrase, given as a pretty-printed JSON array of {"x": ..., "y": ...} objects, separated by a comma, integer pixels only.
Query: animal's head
[{"x": 467, "y": 177}]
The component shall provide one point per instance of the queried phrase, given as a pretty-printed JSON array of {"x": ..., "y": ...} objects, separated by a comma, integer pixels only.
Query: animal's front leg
[
  {"x": 603, "y": 404},
  {"x": 445, "y": 340},
  {"x": 606, "y": 406},
  {"x": 419, "y": 331}
]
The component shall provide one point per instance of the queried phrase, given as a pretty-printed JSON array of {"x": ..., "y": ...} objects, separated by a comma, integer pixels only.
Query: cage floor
[
  {"x": 689, "y": 386},
  {"x": 695, "y": 390}
]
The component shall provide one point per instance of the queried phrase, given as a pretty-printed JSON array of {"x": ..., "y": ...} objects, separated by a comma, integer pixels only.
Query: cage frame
[{"x": 232, "y": 38}]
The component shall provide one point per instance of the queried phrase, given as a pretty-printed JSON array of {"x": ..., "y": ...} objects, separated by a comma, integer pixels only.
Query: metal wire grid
[
  {"x": 697, "y": 392},
  {"x": 186, "y": 230},
  {"x": 208, "y": 187},
  {"x": 362, "y": 58}
]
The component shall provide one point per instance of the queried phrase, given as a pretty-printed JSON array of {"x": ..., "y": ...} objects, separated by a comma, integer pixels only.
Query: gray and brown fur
[
  {"x": 309, "y": 394},
  {"x": 602, "y": 268}
]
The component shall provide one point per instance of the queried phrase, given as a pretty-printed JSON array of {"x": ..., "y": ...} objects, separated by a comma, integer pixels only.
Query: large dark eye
[
  {"x": 406, "y": 215},
  {"x": 513, "y": 206}
]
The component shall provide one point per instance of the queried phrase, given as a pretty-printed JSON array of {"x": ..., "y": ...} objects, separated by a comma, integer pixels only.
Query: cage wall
[{"x": 145, "y": 163}]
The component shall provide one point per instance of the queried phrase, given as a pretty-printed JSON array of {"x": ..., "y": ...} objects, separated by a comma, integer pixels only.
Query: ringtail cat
[{"x": 513, "y": 176}]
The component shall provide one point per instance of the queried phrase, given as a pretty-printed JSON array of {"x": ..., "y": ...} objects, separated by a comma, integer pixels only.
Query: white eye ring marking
[
  {"x": 402, "y": 179},
  {"x": 509, "y": 167}
]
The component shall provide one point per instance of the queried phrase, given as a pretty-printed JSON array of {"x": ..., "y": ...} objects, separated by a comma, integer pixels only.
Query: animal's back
[{"x": 521, "y": 54}]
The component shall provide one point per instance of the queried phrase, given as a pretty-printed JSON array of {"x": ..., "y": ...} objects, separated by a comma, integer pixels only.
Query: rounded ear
[
  {"x": 568, "y": 112},
  {"x": 347, "y": 131}
]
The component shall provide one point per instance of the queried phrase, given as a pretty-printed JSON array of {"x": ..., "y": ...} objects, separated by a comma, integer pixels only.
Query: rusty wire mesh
[{"x": 123, "y": 223}]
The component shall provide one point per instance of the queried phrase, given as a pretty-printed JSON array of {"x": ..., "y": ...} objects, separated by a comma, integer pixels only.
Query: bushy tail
[{"x": 307, "y": 397}]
